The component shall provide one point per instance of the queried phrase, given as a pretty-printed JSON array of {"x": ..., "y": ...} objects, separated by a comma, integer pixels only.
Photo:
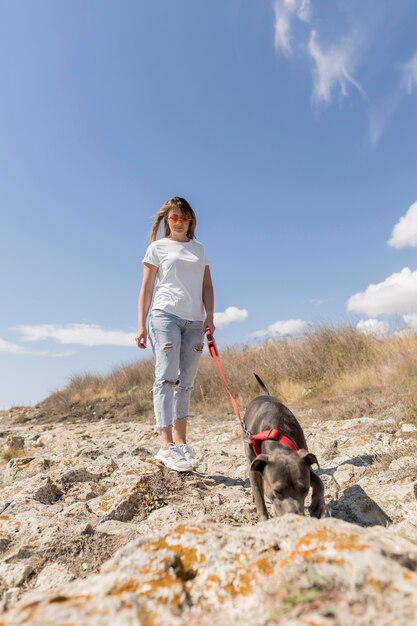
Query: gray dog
[{"x": 280, "y": 464}]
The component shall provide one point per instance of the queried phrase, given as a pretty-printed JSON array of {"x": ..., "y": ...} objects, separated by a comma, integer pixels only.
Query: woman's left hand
[{"x": 209, "y": 324}]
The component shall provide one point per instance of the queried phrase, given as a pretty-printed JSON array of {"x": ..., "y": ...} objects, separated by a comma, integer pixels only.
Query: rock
[
  {"x": 403, "y": 467},
  {"x": 48, "y": 492},
  {"x": 5, "y": 540},
  {"x": 34, "y": 437},
  {"x": 24, "y": 467},
  {"x": 103, "y": 466},
  {"x": 292, "y": 568},
  {"x": 74, "y": 470},
  {"x": 52, "y": 576},
  {"x": 79, "y": 492},
  {"x": 391, "y": 497},
  {"x": 35, "y": 487},
  {"x": 15, "y": 441},
  {"x": 88, "y": 530},
  {"x": 75, "y": 512},
  {"x": 121, "y": 500},
  {"x": 331, "y": 450},
  {"x": 344, "y": 473},
  {"x": 78, "y": 475},
  {"x": 241, "y": 471},
  {"x": 24, "y": 552},
  {"x": 9, "y": 527},
  {"x": 38, "y": 443},
  {"x": 113, "y": 527},
  {"x": 98, "y": 489},
  {"x": 408, "y": 428},
  {"x": 407, "y": 530},
  {"x": 11, "y": 595},
  {"x": 15, "y": 574},
  {"x": 356, "y": 505},
  {"x": 163, "y": 518}
]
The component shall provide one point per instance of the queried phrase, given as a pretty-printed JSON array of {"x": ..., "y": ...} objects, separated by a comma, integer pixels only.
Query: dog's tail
[{"x": 261, "y": 384}]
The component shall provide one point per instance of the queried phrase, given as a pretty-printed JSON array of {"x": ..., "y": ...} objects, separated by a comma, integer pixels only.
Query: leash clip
[{"x": 248, "y": 435}]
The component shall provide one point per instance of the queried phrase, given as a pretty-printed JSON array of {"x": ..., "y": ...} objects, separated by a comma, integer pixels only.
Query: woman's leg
[
  {"x": 179, "y": 432},
  {"x": 165, "y": 338},
  {"x": 190, "y": 353}
]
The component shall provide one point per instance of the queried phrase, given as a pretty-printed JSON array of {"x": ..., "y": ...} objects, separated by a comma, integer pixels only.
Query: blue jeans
[{"x": 177, "y": 345}]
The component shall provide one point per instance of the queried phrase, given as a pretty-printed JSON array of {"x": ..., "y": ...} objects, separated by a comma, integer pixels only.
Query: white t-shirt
[{"x": 179, "y": 288}]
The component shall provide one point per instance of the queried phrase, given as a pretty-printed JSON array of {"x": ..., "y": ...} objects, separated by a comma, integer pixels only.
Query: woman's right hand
[{"x": 141, "y": 338}]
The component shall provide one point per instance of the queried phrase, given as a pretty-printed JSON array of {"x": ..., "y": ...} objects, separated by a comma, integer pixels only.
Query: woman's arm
[
  {"x": 145, "y": 298},
  {"x": 208, "y": 300}
]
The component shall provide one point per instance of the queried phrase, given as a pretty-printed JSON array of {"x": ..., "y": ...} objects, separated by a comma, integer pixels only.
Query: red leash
[
  {"x": 255, "y": 441},
  {"x": 214, "y": 353}
]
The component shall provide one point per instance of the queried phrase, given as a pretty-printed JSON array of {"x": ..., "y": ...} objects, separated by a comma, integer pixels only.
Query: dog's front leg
[
  {"x": 256, "y": 481},
  {"x": 257, "y": 484},
  {"x": 317, "y": 507}
]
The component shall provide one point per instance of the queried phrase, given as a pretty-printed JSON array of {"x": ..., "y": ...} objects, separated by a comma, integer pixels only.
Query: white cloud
[
  {"x": 7, "y": 346},
  {"x": 405, "y": 231},
  {"x": 333, "y": 68},
  {"x": 231, "y": 314},
  {"x": 397, "y": 294},
  {"x": 373, "y": 327},
  {"x": 93, "y": 335},
  {"x": 288, "y": 327},
  {"x": 81, "y": 334},
  {"x": 382, "y": 113},
  {"x": 285, "y": 12},
  {"x": 411, "y": 321},
  {"x": 336, "y": 59},
  {"x": 259, "y": 333},
  {"x": 410, "y": 74},
  {"x": 283, "y": 328},
  {"x": 14, "y": 348},
  {"x": 316, "y": 302}
]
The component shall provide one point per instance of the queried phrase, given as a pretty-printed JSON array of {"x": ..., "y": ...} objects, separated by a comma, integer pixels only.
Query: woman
[{"x": 182, "y": 309}]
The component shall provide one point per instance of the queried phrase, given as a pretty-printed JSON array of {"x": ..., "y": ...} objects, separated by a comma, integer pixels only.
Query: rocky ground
[{"x": 93, "y": 531}]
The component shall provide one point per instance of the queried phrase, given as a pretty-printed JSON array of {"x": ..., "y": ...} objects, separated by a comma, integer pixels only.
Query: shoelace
[{"x": 175, "y": 450}]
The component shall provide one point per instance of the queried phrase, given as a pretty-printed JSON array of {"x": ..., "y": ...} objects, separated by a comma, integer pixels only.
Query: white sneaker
[
  {"x": 188, "y": 453},
  {"x": 173, "y": 458}
]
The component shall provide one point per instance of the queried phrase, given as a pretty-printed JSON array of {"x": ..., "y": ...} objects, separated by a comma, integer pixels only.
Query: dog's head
[{"x": 286, "y": 478}]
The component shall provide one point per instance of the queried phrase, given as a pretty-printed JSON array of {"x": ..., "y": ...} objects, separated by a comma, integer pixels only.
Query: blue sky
[{"x": 290, "y": 126}]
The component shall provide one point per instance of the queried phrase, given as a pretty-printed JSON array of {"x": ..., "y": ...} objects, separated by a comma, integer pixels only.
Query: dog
[{"x": 279, "y": 460}]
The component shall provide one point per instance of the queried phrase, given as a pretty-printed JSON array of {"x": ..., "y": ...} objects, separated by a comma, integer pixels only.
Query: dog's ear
[
  {"x": 317, "y": 507},
  {"x": 308, "y": 457},
  {"x": 258, "y": 464}
]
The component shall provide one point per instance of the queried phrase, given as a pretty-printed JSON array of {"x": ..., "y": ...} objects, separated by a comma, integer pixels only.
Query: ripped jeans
[{"x": 177, "y": 345}]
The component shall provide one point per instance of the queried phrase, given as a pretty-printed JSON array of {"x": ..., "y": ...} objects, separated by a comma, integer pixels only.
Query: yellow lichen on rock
[
  {"x": 188, "y": 555},
  {"x": 129, "y": 586},
  {"x": 320, "y": 546}
]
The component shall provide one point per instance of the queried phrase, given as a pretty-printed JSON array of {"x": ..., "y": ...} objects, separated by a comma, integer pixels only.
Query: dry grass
[{"x": 323, "y": 365}]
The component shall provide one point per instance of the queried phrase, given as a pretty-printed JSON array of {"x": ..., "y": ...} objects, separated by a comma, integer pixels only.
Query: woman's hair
[{"x": 173, "y": 203}]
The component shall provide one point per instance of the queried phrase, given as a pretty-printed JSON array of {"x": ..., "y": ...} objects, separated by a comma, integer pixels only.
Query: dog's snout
[{"x": 289, "y": 505}]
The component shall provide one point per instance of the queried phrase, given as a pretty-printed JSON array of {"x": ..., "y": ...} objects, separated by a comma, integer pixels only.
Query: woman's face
[{"x": 178, "y": 224}]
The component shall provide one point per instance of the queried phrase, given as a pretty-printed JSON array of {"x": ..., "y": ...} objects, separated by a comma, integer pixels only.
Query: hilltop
[{"x": 92, "y": 531}]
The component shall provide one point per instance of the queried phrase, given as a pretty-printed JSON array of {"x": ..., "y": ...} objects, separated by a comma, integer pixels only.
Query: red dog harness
[{"x": 255, "y": 441}]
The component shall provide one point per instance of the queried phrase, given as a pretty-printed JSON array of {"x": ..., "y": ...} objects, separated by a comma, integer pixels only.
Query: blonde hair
[{"x": 173, "y": 203}]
